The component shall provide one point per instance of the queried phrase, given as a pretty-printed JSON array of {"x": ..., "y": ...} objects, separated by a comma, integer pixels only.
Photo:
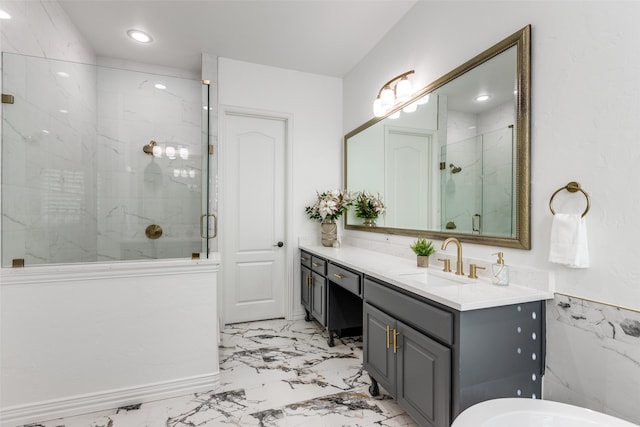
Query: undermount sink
[{"x": 432, "y": 278}]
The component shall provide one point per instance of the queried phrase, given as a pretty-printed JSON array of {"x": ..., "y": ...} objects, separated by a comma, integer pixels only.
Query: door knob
[{"x": 279, "y": 244}]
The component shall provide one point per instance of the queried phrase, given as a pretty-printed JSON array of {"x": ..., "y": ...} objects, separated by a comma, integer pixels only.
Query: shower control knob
[{"x": 279, "y": 244}]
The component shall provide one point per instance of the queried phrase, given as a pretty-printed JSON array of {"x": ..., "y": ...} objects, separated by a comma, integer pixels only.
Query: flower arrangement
[
  {"x": 422, "y": 247},
  {"x": 329, "y": 205},
  {"x": 368, "y": 206}
]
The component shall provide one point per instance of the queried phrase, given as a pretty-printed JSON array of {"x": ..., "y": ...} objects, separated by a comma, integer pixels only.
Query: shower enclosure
[
  {"x": 79, "y": 181},
  {"x": 478, "y": 184}
]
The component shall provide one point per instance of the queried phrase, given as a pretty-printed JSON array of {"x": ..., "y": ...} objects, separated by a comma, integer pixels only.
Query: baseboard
[{"x": 110, "y": 399}]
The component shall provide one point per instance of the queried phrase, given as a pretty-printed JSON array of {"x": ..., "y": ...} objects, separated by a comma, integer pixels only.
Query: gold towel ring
[{"x": 571, "y": 187}]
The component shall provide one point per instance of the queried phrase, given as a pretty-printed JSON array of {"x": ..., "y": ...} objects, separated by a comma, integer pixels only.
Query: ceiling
[{"x": 317, "y": 36}]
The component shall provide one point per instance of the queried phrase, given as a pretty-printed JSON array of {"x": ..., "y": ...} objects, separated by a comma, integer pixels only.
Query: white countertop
[{"x": 458, "y": 292}]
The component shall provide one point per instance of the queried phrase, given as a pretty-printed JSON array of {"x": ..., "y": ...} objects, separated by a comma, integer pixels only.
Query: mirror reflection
[{"x": 454, "y": 158}]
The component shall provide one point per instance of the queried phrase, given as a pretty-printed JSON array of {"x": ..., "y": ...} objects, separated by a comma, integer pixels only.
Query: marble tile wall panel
[
  {"x": 137, "y": 190},
  {"x": 48, "y": 137},
  {"x": 593, "y": 356},
  {"x": 92, "y": 194}
]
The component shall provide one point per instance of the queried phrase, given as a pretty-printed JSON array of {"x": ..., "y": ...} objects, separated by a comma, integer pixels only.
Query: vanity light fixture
[
  {"x": 391, "y": 94},
  {"x": 4, "y": 15},
  {"x": 140, "y": 36}
]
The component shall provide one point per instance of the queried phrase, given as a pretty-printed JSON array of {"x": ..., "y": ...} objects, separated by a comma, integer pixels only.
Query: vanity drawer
[
  {"x": 318, "y": 265},
  {"x": 305, "y": 259},
  {"x": 431, "y": 320},
  {"x": 346, "y": 278}
]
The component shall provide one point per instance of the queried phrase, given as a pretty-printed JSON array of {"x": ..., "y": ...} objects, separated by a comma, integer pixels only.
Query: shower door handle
[
  {"x": 476, "y": 223},
  {"x": 205, "y": 217}
]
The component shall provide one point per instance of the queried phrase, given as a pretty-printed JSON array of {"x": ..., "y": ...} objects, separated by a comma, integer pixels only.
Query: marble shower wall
[
  {"x": 482, "y": 145},
  {"x": 136, "y": 190},
  {"x": 593, "y": 356},
  {"x": 77, "y": 186},
  {"x": 49, "y": 151}
]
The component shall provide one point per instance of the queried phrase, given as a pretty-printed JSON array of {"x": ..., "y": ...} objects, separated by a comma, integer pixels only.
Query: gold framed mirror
[{"x": 453, "y": 164}]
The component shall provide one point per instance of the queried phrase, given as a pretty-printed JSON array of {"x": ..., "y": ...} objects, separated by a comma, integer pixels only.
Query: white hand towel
[{"x": 569, "y": 241}]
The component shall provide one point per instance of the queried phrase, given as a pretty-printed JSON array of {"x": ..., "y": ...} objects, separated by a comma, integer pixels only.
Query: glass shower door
[{"x": 101, "y": 164}]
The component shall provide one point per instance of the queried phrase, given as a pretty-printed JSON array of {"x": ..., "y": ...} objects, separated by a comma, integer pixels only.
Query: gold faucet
[{"x": 459, "y": 269}]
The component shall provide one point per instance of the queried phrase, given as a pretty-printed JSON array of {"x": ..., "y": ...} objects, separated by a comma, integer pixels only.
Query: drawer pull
[
  {"x": 339, "y": 276},
  {"x": 388, "y": 339},
  {"x": 395, "y": 341},
  {"x": 315, "y": 264},
  {"x": 309, "y": 280},
  {"x": 304, "y": 259}
]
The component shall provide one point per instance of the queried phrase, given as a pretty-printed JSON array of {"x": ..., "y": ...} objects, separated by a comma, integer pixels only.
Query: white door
[
  {"x": 408, "y": 156},
  {"x": 254, "y": 217}
]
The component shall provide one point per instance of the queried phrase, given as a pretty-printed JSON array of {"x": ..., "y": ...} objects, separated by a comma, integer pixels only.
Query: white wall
[
  {"x": 77, "y": 339},
  {"x": 585, "y": 91},
  {"x": 313, "y": 102}
]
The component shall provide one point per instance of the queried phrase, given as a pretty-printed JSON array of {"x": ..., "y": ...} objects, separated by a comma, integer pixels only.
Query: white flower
[{"x": 330, "y": 204}]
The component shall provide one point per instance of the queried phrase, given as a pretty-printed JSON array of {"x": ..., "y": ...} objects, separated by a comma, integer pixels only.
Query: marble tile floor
[{"x": 273, "y": 373}]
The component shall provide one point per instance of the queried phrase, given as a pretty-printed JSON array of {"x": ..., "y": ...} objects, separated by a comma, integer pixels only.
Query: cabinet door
[
  {"x": 305, "y": 287},
  {"x": 424, "y": 377},
  {"x": 318, "y": 298},
  {"x": 378, "y": 356}
]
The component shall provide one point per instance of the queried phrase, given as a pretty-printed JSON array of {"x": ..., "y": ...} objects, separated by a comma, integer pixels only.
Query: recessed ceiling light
[
  {"x": 481, "y": 98},
  {"x": 160, "y": 86},
  {"x": 4, "y": 15},
  {"x": 140, "y": 36}
]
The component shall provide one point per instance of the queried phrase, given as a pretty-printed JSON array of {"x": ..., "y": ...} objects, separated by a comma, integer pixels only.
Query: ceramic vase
[{"x": 328, "y": 232}]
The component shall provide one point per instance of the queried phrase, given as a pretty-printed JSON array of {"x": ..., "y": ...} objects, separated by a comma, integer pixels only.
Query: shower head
[
  {"x": 454, "y": 168},
  {"x": 148, "y": 148}
]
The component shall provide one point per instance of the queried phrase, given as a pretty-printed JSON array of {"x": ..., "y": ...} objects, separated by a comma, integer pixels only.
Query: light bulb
[
  {"x": 378, "y": 109},
  {"x": 171, "y": 152},
  {"x": 184, "y": 153},
  {"x": 157, "y": 151},
  {"x": 403, "y": 90},
  {"x": 395, "y": 115},
  {"x": 387, "y": 97}
]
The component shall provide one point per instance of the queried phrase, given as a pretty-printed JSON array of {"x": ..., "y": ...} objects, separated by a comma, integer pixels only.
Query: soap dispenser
[{"x": 500, "y": 271}]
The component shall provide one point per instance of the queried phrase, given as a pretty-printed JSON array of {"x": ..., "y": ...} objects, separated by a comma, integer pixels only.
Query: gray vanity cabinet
[
  {"x": 437, "y": 361},
  {"x": 319, "y": 298},
  {"x": 313, "y": 286},
  {"x": 305, "y": 283},
  {"x": 408, "y": 364},
  {"x": 332, "y": 294},
  {"x": 378, "y": 356},
  {"x": 424, "y": 377}
]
